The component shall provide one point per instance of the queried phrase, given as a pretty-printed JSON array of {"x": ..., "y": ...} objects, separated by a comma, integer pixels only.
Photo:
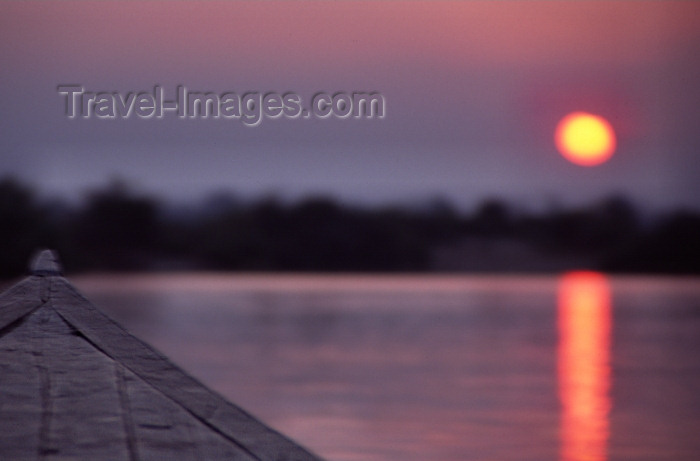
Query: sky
[{"x": 472, "y": 90}]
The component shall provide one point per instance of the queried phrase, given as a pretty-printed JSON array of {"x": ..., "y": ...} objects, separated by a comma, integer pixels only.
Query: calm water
[{"x": 431, "y": 368}]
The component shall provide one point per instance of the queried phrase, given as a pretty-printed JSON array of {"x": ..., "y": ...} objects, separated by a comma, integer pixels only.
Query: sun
[{"x": 585, "y": 139}]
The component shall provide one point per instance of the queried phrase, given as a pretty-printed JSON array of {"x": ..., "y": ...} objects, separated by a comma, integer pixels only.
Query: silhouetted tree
[
  {"x": 673, "y": 246},
  {"x": 492, "y": 218},
  {"x": 117, "y": 229},
  {"x": 22, "y": 228}
]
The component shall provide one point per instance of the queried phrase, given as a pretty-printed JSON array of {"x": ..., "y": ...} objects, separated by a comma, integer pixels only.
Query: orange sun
[{"x": 585, "y": 139}]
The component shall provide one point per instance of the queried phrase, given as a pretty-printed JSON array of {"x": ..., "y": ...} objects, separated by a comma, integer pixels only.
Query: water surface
[{"x": 498, "y": 368}]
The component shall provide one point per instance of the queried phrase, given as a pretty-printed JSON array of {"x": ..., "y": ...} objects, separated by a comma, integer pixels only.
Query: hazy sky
[{"x": 473, "y": 92}]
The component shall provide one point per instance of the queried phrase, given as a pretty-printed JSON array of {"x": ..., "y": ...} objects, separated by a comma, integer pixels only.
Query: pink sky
[
  {"x": 474, "y": 90},
  {"x": 314, "y": 36}
]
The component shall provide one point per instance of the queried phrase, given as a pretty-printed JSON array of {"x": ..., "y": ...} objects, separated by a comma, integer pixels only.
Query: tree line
[{"x": 117, "y": 229}]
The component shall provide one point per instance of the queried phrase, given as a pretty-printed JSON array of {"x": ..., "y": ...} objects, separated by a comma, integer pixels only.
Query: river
[{"x": 579, "y": 366}]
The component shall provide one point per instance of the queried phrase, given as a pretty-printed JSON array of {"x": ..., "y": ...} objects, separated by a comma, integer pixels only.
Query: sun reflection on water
[{"x": 584, "y": 322}]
